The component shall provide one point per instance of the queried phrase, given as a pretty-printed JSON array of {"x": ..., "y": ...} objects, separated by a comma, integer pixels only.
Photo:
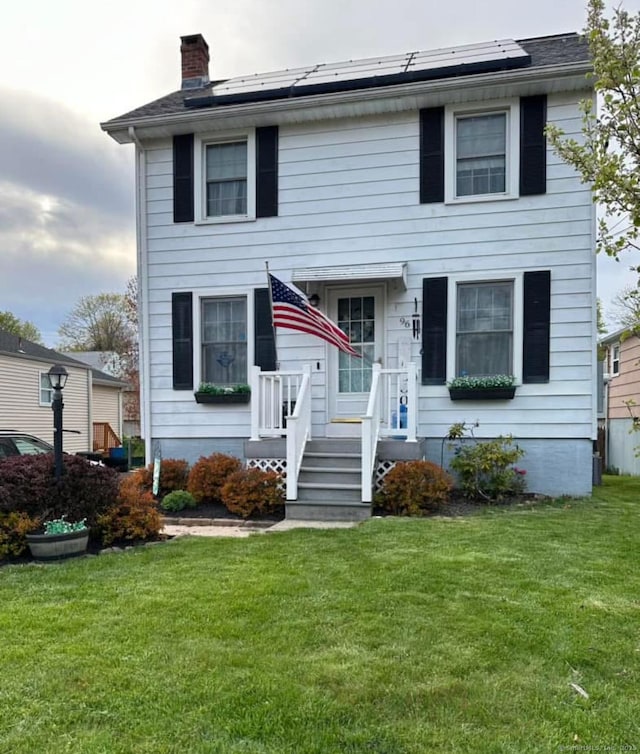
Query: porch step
[
  {"x": 327, "y": 510},
  {"x": 314, "y": 491},
  {"x": 328, "y": 475}
]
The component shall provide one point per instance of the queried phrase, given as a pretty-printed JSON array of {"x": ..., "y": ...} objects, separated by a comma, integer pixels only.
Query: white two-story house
[{"x": 415, "y": 201}]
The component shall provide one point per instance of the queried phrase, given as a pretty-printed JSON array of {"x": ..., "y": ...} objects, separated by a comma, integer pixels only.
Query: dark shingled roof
[
  {"x": 15, "y": 345},
  {"x": 544, "y": 51}
]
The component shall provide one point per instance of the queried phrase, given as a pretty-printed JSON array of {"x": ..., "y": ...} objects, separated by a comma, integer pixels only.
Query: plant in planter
[
  {"x": 493, "y": 387},
  {"x": 61, "y": 539},
  {"x": 207, "y": 392}
]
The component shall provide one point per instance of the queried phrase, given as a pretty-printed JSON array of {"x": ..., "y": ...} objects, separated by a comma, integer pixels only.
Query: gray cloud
[{"x": 66, "y": 211}]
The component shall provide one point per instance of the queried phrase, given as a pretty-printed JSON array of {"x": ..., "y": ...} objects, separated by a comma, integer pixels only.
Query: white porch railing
[
  {"x": 298, "y": 432},
  {"x": 274, "y": 396},
  {"x": 281, "y": 405},
  {"x": 391, "y": 412}
]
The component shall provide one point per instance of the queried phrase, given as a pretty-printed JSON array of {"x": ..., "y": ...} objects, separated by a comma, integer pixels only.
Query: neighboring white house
[
  {"x": 622, "y": 400},
  {"x": 91, "y": 397},
  {"x": 416, "y": 196}
]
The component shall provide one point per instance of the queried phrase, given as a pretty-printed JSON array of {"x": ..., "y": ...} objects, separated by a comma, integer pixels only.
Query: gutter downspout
[{"x": 143, "y": 297}]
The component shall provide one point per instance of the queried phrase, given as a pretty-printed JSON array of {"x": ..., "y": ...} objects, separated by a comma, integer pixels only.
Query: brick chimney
[{"x": 195, "y": 61}]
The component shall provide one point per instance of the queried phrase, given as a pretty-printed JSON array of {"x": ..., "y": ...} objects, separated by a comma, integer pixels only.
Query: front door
[{"x": 358, "y": 311}]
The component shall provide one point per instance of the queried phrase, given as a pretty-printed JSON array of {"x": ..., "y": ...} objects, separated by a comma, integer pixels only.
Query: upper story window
[
  {"x": 225, "y": 184},
  {"x": 46, "y": 391},
  {"x": 481, "y": 154},
  {"x": 481, "y": 151},
  {"x": 226, "y": 178},
  {"x": 615, "y": 359},
  {"x": 484, "y": 329},
  {"x": 224, "y": 340}
]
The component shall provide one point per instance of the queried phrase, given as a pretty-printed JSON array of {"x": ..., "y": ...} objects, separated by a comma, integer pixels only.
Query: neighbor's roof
[
  {"x": 14, "y": 345},
  {"x": 535, "y": 53}
]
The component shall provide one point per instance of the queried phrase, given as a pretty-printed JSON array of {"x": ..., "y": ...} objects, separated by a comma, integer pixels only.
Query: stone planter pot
[
  {"x": 482, "y": 393},
  {"x": 45, "y": 547},
  {"x": 224, "y": 399}
]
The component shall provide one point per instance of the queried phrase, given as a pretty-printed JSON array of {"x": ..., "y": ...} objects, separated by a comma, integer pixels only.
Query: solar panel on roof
[{"x": 351, "y": 74}]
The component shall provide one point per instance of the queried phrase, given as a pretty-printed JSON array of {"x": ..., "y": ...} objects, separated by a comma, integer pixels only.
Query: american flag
[{"x": 292, "y": 311}]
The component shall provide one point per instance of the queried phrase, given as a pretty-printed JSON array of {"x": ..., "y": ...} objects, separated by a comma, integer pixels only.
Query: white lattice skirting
[{"x": 279, "y": 465}]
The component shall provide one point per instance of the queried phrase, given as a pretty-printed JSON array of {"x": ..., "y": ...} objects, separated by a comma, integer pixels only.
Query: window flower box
[
  {"x": 495, "y": 388},
  {"x": 223, "y": 395}
]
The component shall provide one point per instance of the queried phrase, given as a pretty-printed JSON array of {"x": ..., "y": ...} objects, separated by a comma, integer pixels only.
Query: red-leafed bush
[
  {"x": 28, "y": 485},
  {"x": 174, "y": 473},
  {"x": 208, "y": 475},
  {"x": 13, "y": 530},
  {"x": 250, "y": 491},
  {"x": 412, "y": 488},
  {"x": 133, "y": 517}
]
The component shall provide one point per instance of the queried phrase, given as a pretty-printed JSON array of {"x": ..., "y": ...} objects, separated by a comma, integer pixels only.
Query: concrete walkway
[{"x": 225, "y": 528}]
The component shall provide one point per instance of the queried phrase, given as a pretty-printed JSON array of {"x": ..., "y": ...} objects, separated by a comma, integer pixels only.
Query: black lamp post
[{"x": 58, "y": 379}]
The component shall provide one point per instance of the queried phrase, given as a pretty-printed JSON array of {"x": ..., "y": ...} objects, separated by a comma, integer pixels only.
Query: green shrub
[
  {"x": 208, "y": 476},
  {"x": 13, "y": 530},
  {"x": 133, "y": 517},
  {"x": 412, "y": 488},
  {"x": 485, "y": 469},
  {"x": 178, "y": 500},
  {"x": 174, "y": 473},
  {"x": 250, "y": 491}
]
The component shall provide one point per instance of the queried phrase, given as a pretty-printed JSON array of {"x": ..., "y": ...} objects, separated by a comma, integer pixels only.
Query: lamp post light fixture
[{"x": 57, "y": 379}]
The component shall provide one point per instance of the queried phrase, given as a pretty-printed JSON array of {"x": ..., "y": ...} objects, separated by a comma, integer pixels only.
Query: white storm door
[{"x": 358, "y": 311}]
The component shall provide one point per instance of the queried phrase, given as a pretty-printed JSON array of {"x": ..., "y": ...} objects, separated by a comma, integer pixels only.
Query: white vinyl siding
[
  {"x": 348, "y": 194},
  {"x": 21, "y": 410},
  {"x": 107, "y": 407}
]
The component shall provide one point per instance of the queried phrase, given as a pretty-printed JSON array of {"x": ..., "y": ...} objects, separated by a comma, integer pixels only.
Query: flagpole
[{"x": 275, "y": 342}]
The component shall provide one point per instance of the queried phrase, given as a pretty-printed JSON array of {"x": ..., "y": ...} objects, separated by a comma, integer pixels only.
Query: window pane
[
  {"x": 226, "y": 176},
  {"x": 224, "y": 341},
  {"x": 484, "y": 335},
  {"x": 226, "y": 161},
  {"x": 481, "y": 154}
]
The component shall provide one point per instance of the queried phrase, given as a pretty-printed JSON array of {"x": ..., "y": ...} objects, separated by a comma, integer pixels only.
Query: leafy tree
[
  {"x": 625, "y": 307},
  {"x": 109, "y": 322},
  {"x": 609, "y": 157},
  {"x": 23, "y": 329},
  {"x": 600, "y": 323},
  {"x": 98, "y": 323}
]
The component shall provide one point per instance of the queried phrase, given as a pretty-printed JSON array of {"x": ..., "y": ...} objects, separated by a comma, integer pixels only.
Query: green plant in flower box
[{"x": 481, "y": 383}]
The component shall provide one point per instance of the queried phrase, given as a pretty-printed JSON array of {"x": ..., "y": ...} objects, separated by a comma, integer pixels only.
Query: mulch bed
[{"x": 217, "y": 510}]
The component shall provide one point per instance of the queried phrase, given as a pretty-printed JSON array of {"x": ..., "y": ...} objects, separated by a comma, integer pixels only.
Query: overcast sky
[{"x": 67, "y": 225}]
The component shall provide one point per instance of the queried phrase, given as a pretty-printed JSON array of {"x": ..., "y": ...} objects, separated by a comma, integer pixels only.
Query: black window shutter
[
  {"x": 431, "y": 155},
  {"x": 182, "y": 336},
  {"x": 434, "y": 331},
  {"x": 183, "y": 178},
  {"x": 533, "y": 145},
  {"x": 267, "y": 171},
  {"x": 265, "y": 342},
  {"x": 537, "y": 312}
]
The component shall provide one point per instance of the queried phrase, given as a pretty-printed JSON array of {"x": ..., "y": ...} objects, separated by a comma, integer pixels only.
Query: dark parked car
[{"x": 22, "y": 444}]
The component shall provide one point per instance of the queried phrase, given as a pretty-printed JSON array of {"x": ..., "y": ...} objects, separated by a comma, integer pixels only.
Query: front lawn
[{"x": 474, "y": 634}]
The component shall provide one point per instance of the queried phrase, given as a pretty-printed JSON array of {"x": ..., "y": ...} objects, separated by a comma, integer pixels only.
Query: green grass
[{"x": 402, "y": 635}]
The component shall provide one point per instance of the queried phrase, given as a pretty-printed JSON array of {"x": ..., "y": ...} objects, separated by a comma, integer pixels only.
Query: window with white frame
[
  {"x": 481, "y": 153},
  {"x": 224, "y": 340},
  {"x": 484, "y": 328},
  {"x": 615, "y": 359},
  {"x": 46, "y": 392},
  {"x": 225, "y": 178}
]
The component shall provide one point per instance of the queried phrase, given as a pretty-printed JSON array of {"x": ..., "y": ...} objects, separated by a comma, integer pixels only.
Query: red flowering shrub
[
  {"x": 134, "y": 516},
  {"x": 174, "y": 473},
  {"x": 251, "y": 491},
  {"x": 208, "y": 475},
  {"x": 414, "y": 487}
]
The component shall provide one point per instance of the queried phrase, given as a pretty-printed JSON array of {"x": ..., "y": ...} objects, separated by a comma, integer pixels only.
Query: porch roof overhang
[{"x": 352, "y": 273}]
